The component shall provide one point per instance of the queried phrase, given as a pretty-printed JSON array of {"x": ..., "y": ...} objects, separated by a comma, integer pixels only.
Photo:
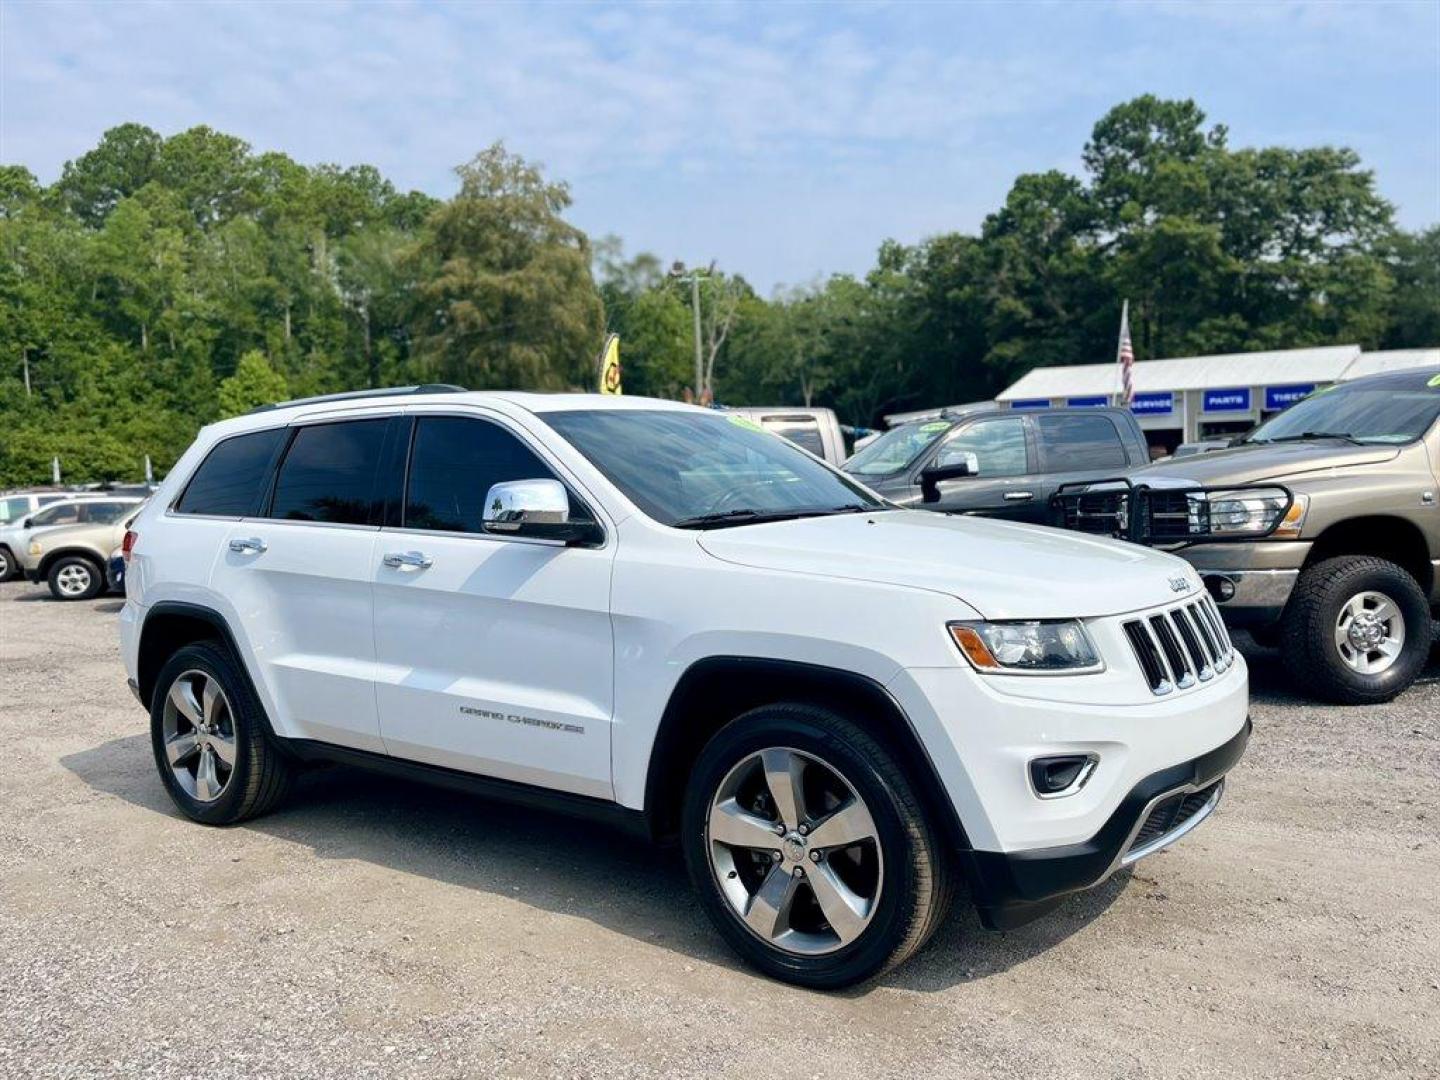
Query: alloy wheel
[
  {"x": 74, "y": 579},
  {"x": 1369, "y": 633},
  {"x": 199, "y": 735},
  {"x": 795, "y": 851}
]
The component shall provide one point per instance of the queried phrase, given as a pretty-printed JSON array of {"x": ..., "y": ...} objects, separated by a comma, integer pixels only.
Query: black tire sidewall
[
  {"x": 7, "y": 563},
  {"x": 216, "y": 662},
  {"x": 97, "y": 578},
  {"x": 1314, "y": 646},
  {"x": 804, "y": 728}
]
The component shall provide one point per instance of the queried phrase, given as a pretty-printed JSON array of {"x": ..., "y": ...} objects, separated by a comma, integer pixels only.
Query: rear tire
[
  {"x": 894, "y": 882},
  {"x": 1356, "y": 630},
  {"x": 74, "y": 577},
  {"x": 204, "y": 712}
]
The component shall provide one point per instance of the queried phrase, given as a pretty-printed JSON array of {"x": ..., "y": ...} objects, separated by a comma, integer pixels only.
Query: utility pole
[
  {"x": 694, "y": 278},
  {"x": 25, "y": 363}
]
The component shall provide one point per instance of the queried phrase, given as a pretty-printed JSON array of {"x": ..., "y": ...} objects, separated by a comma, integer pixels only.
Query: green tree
[
  {"x": 506, "y": 297},
  {"x": 254, "y": 383}
]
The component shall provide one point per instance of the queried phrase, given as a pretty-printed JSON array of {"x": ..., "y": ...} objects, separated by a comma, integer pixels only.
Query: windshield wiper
[
  {"x": 1312, "y": 435},
  {"x": 746, "y": 515}
]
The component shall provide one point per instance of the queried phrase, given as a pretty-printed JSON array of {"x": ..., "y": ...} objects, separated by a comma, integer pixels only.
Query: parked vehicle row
[
  {"x": 57, "y": 512},
  {"x": 660, "y": 616}
]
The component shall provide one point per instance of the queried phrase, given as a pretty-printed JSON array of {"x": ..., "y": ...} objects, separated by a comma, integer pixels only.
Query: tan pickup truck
[{"x": 1318, "y": 532}]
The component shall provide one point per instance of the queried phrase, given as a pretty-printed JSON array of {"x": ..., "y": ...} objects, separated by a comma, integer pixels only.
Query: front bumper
[
  {"x": 1251, "y": 582},
  {"x": 1012, "y": 888}
]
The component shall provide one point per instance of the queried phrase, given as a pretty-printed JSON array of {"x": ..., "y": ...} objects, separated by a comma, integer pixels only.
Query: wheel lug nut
[
  {"x": 774, "y": 856},
  {"x": 799, "y": 871},
  {"x": 779, "y": 829},
  {"x": 804, "y": 830},
  {"x": 814, "y": 856}
]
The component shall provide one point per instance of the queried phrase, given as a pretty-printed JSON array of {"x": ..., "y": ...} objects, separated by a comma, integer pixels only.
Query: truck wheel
[
  {"x": 809, "y": 849},
  {"x": 75, "y": 577},
  {"x": 1356, "y": 630},
  {"x": 208, "y": 734},
  {"x": 7, "y": 564}
]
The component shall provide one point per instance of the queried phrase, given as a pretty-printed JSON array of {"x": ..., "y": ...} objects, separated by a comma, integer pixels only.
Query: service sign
[
  {"x": 1097, "y": 402},
  {"x": 1030, "y": 403},
  {"x": 1155, "y": 403},
  {"x": 1282, "y": 397},
  {"x": 1233, "y": 400}
]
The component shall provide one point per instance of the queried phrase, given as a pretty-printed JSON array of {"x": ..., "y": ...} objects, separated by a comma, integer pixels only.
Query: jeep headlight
[
  {"x": 1034, "y": 645},
  {"x": 1253, "y": 512}
]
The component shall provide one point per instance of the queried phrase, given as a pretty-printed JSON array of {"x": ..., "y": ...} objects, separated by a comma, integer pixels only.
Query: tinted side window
[
  {"x": 106, "y": 513},
  {"x": 59, "y": 514},
  {"x": 228, "y": 482},
  {"x": 329, "y": 473},
  {"x": 1070, "y": 443},
  {"x": 991, "y": 447},
  {"x": 453, "y": 464}
]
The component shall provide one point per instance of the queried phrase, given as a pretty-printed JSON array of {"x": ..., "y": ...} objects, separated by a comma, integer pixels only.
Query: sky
[{"x": 783, "y": 141}]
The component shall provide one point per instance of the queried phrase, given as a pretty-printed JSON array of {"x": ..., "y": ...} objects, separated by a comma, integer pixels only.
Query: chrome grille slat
[
  {"x": 1203, "y": 625},
  {"x": 1202, "y": 660}
]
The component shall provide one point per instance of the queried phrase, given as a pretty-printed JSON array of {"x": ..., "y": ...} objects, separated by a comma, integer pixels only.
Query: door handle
[
  {"x": 250, "y": 545},
  {"x": 402, "y": 559},
  {"x": 1019, "y": 496}
]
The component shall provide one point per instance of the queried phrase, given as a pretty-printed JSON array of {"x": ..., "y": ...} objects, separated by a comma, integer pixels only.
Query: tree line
[{"x": 162, "y": 283}]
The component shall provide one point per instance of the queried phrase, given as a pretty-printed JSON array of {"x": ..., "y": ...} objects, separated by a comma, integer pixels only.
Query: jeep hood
[
  {"x": 1257, "y": 464},
  {"x": 1004, "y": 570}
]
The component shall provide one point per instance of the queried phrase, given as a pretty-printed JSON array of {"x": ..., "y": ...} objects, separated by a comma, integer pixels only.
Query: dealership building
[{"x": 1201, "y": 397}]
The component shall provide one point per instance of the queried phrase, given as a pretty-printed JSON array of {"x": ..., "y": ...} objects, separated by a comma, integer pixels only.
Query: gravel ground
[{"x": 376, "y": 928}]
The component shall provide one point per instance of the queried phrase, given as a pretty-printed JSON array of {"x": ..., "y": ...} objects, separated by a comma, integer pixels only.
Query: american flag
[{"x": 1126, "y": 359}]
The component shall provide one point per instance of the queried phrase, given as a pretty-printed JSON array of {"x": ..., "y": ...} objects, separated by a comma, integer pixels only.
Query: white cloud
[{"x": 710, "y": 130}]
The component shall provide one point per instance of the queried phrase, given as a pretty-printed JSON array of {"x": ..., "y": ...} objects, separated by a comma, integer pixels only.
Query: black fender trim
[{"x": 1014, "y": 888}]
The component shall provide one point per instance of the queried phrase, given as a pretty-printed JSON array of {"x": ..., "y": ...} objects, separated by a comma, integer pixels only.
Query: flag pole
[{"x": 1124, "y": 360}]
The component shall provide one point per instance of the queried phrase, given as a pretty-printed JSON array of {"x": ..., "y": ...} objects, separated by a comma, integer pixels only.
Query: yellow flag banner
[{"x": 610, "y": 366}]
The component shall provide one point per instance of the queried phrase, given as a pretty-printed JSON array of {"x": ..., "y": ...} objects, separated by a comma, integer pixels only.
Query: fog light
[
  {"x": 1064, "y": 774},
  {"x": 1221, "y": 588}
]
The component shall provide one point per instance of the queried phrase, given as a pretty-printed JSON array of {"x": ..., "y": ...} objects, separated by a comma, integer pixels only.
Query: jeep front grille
[{"x": 1181, "y": 646}]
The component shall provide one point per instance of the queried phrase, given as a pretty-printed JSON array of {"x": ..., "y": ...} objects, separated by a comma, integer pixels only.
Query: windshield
[
  {"x": 897, "y": 448},
  {"x": 697, "y": 469},
  {"x": 1368, "y": 415}
]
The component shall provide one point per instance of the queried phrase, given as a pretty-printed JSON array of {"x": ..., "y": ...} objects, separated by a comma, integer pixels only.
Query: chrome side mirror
[{"x": 536, "y": 508}]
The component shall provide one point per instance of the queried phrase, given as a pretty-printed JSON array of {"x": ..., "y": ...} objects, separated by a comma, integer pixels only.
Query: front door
[
  {"x": 495, "y": 653},
  {"x": 996, "y": 449}
]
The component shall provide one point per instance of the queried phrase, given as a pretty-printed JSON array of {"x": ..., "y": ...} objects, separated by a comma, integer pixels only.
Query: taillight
[{"x": 128, "y": 544}]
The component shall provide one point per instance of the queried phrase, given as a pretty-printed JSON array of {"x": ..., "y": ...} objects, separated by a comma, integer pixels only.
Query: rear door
[
  {"x": 495, "y": 653},
  {"x": 298, "y": 578},
  {"x": 1075, "y": 446},
  {"x": 998, "y": 448}
]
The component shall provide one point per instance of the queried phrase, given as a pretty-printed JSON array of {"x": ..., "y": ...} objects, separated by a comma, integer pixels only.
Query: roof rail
[{"x": 355, "y": 395}]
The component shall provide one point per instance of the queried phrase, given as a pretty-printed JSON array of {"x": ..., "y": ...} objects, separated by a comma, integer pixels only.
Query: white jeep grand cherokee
[{"x": 660, "y": 615}]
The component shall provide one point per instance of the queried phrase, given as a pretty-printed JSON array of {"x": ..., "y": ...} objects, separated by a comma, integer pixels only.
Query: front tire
[
  {"x": 75, "y": 577},
  {"x": 208, "y": 734},
  {"x": 1356, "y": 630},
  {"x": 809, "y": 848},
  {"x": 7, "y": 564}
]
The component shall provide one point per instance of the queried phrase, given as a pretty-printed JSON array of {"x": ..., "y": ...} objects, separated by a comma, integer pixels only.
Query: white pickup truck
[{"x": 665, "y": 617}]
